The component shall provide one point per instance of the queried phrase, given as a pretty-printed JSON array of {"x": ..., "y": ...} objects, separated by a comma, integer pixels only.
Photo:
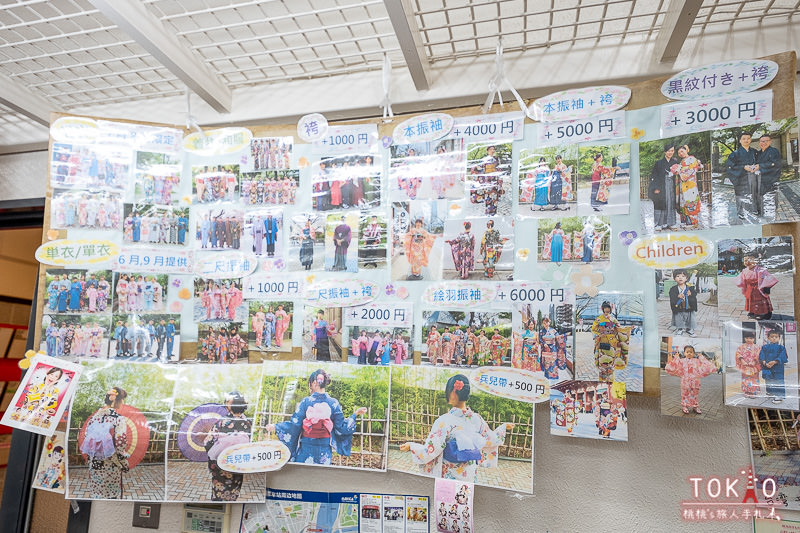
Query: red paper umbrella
[
  {"x": 194, "y": 428},
  {"x": 137, "y": 432}
]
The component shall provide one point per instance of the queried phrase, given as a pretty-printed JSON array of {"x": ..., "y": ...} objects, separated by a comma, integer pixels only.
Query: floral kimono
[
  {"x": 106, "y": 446},
  {"x": 434, "y": 341},
  {"x": 462, "y": 249},
  {"x": 753, "y": 281},
  {"x": 610, "y": 346},
  {"x": 484, "y": 347},
  {"x": 688, "y": 195},
  {"x": 459, "y": 442},
  {"x": 748, "y": 364},
  {"x": 417, "y": 244},
  {"x": 497, "y": 349},
  {"x": 491, "y": 249},
  {"x": 529, "y": 357},
  {"x": 317, "y": 426},
  {"x": 447, "y": 348},
  {"x": 226, "y": 486},
  {"x": 691, "y": 370}
]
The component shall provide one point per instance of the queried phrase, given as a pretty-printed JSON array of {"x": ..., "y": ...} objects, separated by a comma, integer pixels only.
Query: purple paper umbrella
[{"x": 194, "y": 428}]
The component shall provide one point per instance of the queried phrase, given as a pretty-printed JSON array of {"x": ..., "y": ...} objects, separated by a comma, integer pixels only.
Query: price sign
[
  {"x": 539, "y": 292},
  {"x": 380, "y": 315},
  {"x": 423, "y": 128},
  {"x": 271, "y": 287},
  {"x": 224, "y": 265},
  {"x": 340, "y": 292},
  {"x": 338, "y": 140},
  {"x": 157, "y": 260},
  {"x": 512, "y": 383},
  {"x": 497, "y": 126},
  {"x": 608, "y": 126},
  {"x": 460, "y": 294},
  {"x": 688, "y": 117},
  {"x": 265, "y": 456}
]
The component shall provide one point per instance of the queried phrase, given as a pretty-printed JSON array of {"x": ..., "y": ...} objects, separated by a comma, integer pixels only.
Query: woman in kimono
[
  {"x": 282, "y": 321},
  {"x": 566, "y": 181},
  {"x": 460, "y": 440},
  {"x": 458, "y": 346},
  {"x": 269, "y": 326},
  {"x": 588, "y": 243},
  {"x": 748, "y": 364},
  {"x": 497, "y": 348},
  {"x": 103, "y": 290},
  {"x": 691, "y": 369},
  {"x": 470, "y": 346},
  {"x": 257, "y": 324},
  {"x": 39, "y": 398},
  {"x": 218, "y": 297},
  {"x": 688, "y": 193},
  {"x": 491, "y": 249},
  {"x": 318, "y": 425},
  {"x": 417, "y": 244},
  {"x": 234, "y": 300},
  {"x": 557, "y": 244},
  {"x": 307, "y": 246},
  {"x": 434, "y": 343},
  {"x": 66, "y": 340},
  {"x": 319, "y": 336},
  {"x": 105, "y": 444},
  {"x": 610, "y": 344},
  {"x": 462, "y": 249},
  {"x": 51, "y": 339},
  {"x": 756, "y": 284},
  {"x": 542, "y": 184},
  {"x": 75, "y": 294},
  {"x": 602, "y": 179},
  {"x": 447, "y": 347},
  {"x": 400, "y": 350},
  {"x": 233, "y": 429}
]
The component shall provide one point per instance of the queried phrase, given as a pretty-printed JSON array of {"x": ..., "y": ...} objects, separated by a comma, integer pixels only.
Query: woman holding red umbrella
[{"x": 106, "y": 444}]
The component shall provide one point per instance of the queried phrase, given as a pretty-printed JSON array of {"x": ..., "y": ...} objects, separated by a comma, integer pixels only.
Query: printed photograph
[
  {"x": 86, "y": 210},
  {"x": 158, "y": 178},
  {"x": 140, "y": 337},
  {"x": 219, "y": 228},
  {"x": 269, "y": 187},
  {"x": 346, "y": 182},
  {"x": 219, "y": 300},
  {"x": 604, "y": 179},
  {"x": 481, "y": 248},
  {"x": 214, "y": 183},
  {"x": 380, "y": 333},
  {"x": 488, "y": 179},
  {"x": 341, "y": 231},
  {"x": 417, "y": 247},
  {"x": 589, "y": 410},
  {"x": 85, "y": 166},
  {"x": 78, "y": 291},
  {"x": 213, "y": 409},
  {"x": 691, "y": 378},
  {"x": 263, "y": 232},
  {"x": 222, "y": 342},
  {"x": 271, "y": 327},
  {"x": 543, "y": 339},
  {"x": 155, "y": 225},
  {"x": 675, "y": 183},
  {"x": 307, "y": 242},
  {"x": 466, "y": 338},
  {"x": 51, "y": 472},
  {"x": 761, "y": 364},
  {"x": 755, "y": 279},
  {"x": 442, "y": 427},
  {"x": 322, "y": 334},
  {"x": 373, "y": 244},
  {"x": 269, "y": 153},
  {"x": 575, "y": 240},
  {"x": 547, "y": 182},
  {"x": 609, "y": 338},
  {"x": 75, "y": 336},
  {"x": 328, "y": 414},
  {"x": 687, "y": 301},
  {"x": 117, "y": 438},
  {"x": 427, "y": 170},
  {"x": 775, "y": 452},
  {"x": 140, "y": 292},
  {"x": 755, "y": 175}
]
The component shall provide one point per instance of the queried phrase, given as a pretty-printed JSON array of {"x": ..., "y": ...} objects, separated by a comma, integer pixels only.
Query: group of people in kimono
[
  {"x": 767, "y": 362},
  {"x": 142, "y": 337},
  {"x": 158, "y": 188},
  {"x": 673, "y": 189},
  {"x": 219, "y": 300},
  {"x": 271, "y": 153},
  {"x": 341, "y": 183},
  {"x": 467, "y": 347},
  {"x": 270, "y": 326},
  {"x": 78, "y": 294},
  {"x": 83, "y": 166},
  {"x": 224, "y": 344},
  {"x": 139, "y": 292},
  {"x": 542, "y": 350},
  {"x": 485, "y": 181},
  {"x": 165, "y": 226},
  {"x": 217, "y": 184},
  {"x": 462, "y": 249},
  {"x": 74, "y": 340},
  {"x": 220, "y": 231},
  {"x": 86, "y": 210},
  {"x": 268, "y": 188},
  {"x": 545, "y": 188},
  {"x": 380, "y": 348}
]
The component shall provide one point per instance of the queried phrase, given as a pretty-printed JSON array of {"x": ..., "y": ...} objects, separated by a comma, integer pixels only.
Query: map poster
[{"x": 293, "y": 511}]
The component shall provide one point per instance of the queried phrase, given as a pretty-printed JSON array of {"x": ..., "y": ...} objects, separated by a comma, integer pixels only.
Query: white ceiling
[{"x": 260, "y": 60}]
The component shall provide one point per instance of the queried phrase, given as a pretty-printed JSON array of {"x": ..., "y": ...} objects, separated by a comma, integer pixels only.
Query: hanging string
[
  {"x": 191, "y": 122},
  {"x": 387, "y": 80},
  {"x": 496, "y": 82}
]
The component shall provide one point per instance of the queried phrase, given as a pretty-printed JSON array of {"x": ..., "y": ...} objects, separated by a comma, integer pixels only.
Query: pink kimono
[
  {"x": 91, "y": 294},
  {"x": 399, "y": 352},
  {"x": 281, "y": 325},
  {"x": 234, "y": 301},
  {"x": 748, "y": 364},
  {"x": 753, "y": 281},
  {"x": 691, "y": 370}
]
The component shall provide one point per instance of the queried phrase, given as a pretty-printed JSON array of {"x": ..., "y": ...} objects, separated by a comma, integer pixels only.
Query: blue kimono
[
  {"x": 137, "y": 228},
  {"x": 541, "y": 183},
  {"x": 51, "y": 338},
  {"x": 63, "y": 297},
  {"x": 75, "y": 290},
  {"x": 52, "y": 295},
  {"x": 170, "y": 338},
  {"x": 149, "y": 292},
  {"x": 773, "y": 376},
  {"x": 316, "y": 426},
  {"x": 269, "y": 328},
  {"x": 183, "y": 225},
  {"x": 387, "y": 354}
]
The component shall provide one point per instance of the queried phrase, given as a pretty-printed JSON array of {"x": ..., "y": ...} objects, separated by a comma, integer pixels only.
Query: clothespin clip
[{"x": 387, "y": 79}]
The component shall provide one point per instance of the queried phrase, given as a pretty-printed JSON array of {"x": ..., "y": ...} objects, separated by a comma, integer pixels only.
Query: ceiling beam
[
  {"x": 677, "y": 23},
  {"x": 25, "y": 102},
  {"x": 401, "y": 14},
  {"x": 141, "y": 25}
]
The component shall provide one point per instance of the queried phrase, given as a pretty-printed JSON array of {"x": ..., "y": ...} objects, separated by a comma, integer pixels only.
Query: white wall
[
  {"x": 580, "y": 485},
  {"x": 23, "y": 175}
]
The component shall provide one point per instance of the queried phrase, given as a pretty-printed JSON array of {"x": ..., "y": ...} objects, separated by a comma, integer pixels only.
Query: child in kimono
[
  {"x": 610, "y": 344},
  {"x": 683, "y": 303},
  {"x": 756, "y": 283},
  {"x": 691, "y": 369},
  {"x": 773, "y": 360},
  {"x": 748, "y": 364},
  {"x": 317, "y": 424},
  {"x": 460, "y": 440}
]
